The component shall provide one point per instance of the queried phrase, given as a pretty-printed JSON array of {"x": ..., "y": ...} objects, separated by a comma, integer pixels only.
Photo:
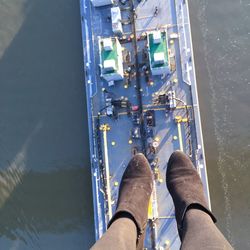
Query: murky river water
[{"x": 45, "y": 187}]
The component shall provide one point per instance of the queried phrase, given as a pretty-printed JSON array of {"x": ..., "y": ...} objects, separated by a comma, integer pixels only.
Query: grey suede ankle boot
[
  {"x": 134, "y": 194},
  {"x": 185, "y": 187}
]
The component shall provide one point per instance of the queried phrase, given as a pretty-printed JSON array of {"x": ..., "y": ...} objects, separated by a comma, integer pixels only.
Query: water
[
  {"x": 45, "y": 187},
  {"x": 221, "y": 37}
]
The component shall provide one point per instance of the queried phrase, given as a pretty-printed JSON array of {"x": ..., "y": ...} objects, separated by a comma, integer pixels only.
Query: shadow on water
[{"x": 45, "y": 185}]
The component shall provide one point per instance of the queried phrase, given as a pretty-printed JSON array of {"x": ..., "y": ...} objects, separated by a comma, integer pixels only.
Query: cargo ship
[{"x": 141, "y": 91}]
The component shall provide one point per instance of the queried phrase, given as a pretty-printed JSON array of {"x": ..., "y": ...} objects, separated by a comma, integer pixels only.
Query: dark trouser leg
[
  {"x": 200, "y": 232},
  {"x": 194, "y": 219},
  {"x": 121, "y": 235},
  {"x": 126, "y": 229}
]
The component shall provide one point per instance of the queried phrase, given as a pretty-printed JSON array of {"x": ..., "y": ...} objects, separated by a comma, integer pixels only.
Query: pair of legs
[{"x": 195, "y": 221}]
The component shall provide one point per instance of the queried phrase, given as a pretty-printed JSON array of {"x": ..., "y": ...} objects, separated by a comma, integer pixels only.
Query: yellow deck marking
[
  {"x": 104, "y": 128},
  {"x": 150, "y": 209},
  {"x": 180, "y": 136}
]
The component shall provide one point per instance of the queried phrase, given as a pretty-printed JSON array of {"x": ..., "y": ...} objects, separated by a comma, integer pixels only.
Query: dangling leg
[
  {"x": 126, "y": 229},
  {"x": 194, "y": 219}
]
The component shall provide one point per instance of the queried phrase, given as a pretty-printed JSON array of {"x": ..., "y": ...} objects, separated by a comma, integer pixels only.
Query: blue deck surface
[{"x": 173, "y": 17}]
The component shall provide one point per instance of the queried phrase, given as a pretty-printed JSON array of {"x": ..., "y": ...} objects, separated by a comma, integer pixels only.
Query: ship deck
[{"x": 179, "y": 128}]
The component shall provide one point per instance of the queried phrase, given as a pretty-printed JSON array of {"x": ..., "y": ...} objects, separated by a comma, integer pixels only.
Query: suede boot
[
  {"x": 185, "y": 187},
  {"x": 134, "y": 194}
]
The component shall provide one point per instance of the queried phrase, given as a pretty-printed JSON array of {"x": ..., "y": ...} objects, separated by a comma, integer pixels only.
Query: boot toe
[
  {"x": 138, "y": 167},
  {"x": 179, "y": 159}
]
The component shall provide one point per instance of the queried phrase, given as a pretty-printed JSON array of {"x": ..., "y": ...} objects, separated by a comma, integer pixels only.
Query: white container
[
  {"x": 157, "y": 37},
  {"x": 107, "y": 44},
  {"x": 109, "y": 65},
  {"x": 98, "y": 3},
  {"x": 116, "y": 20},
  {"x": 159, "y": 58}
]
